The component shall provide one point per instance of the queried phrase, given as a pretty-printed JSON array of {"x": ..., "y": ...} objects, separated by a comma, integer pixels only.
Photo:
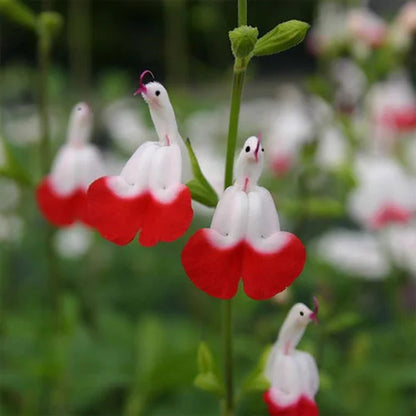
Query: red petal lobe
[
  {"x": 116, "y": 218},
  {"x": 214, "y": 270},
  {"x": 266, "y": 274},
  {"x": 167, "y": 221},
  {"x": 60, "y": 210}
]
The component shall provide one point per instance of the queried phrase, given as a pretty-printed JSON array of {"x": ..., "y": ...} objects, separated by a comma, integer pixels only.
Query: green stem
[
  {"x": 242, "y": 12},
  {"x": 44, "y": 46},
  {"x": 43, "y": 93},
  {"x": 228, "y": 405},
  {"x": 238, "y": 82},
  {"x": 237, "y": 91}
]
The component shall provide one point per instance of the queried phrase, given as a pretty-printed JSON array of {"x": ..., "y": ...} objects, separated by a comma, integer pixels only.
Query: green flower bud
[
  {"x": 282, "y": 37},
  {"x": 243, "y": 40},
  {"x": 49, "y": 24}
]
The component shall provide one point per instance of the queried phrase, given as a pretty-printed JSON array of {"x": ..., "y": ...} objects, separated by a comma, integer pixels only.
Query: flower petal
[
  {"x": 117, "y": 218},
  {"x": 272, "y": 258},
  {"x": 267, "y": 273},
  {"x": 62, "y": 210},
  {"x": 167, "y": 221},
  {"x": 213, "y": 268}
]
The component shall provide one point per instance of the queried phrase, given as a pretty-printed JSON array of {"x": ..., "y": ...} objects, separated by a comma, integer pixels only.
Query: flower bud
[{"x": 243, "y": 40}]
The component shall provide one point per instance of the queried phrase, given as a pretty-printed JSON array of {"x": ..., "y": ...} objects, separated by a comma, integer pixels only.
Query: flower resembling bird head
[
  {"x": 148, "y": 196},
  {"x": 293, "y": 375},
  {"x": 244, "y": 240},
  {"x": 61, "y": 196}
]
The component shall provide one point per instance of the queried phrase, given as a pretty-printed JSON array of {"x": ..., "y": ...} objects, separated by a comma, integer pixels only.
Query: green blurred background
[{"x": 114, "y": 330}]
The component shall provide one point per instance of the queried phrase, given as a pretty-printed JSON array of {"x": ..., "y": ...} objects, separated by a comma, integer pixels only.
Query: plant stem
[
  {"x": 44, "y": 46},
  {"x": 237, "y": 91},
  {"x": 43, "y": 92}
]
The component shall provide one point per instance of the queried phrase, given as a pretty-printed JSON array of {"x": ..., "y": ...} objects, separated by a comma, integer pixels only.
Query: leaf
[
  {"x": 205, "y": 358},
  {"x": 256, "y": 381},
  {"x": 201, "y": 189},
  {"x": 243, "y": 40},
  {"x": 18, "y": 13},
  {"x": 284, "y": 36},
  {"x": 10, "y": 167},
  {"x": 207, "y": 379},
  {"x": 210, "y": 383}
]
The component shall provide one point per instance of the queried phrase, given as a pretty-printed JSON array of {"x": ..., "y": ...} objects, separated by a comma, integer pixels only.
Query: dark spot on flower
[
  {"x": 247, "y": 149},
  {"x": 79, "y": 108},
  {"x": 262, "y": 149},
  {"x": 157, "y": 93},
  {"x": 301, "y": 313}
]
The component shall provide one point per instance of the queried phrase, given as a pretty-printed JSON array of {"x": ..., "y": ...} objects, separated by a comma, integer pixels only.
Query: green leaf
[
  {"x": 201, "y": 189},
  {"x": 10, "y": 167},
  {"x": 256, "y": 381},
  {"x": 210, "y": 383},
  {"x": 207, "y": 379},
  {"x": 205, "y": 358},
  {"x": 18, "y": 13},
  {"x": 243, "y": 40},
  {"x": 282, "y": 37}
]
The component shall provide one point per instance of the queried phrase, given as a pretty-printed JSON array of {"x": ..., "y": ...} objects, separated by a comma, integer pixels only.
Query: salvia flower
[
  {"x": 62, "y": 195},
  {"x": 244, "y": 240},
  {"x": 148, "y": 195},
  {"x": 293, "y": 374},
  {"x": 385, "y": 194}
]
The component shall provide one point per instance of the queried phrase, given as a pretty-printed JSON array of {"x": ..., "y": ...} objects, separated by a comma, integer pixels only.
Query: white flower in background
[
  {"x": 73, "y": 242},
  {"x": 350, "y": 83},
  {"x": 385, "y": 194},
  {"x": 11, "y": 228},
  {"x": 125, "y": 125},
  {"x": 321, "y": 112},
  {"x": 392, "y": 109},
  {"x": 355, "y": 253},
  {"x": 291, "y": 128},
  {"x": 406, "y": 18},
  {"x": 329, "y": 28},
  {"x": 293, "y": 374},
  {"x": 332, "y": 148},
  {"x": 400, "y": 241},
  {"x": 21, "y": 125},
  {"x": 10, "y": 194},
  {"x": 365, "y": 27},
  {"x": 410, "y": 153}
]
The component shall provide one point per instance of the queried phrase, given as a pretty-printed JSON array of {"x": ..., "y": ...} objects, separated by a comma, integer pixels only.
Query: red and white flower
[
  {"x": 293, "y": 374},
  {"x": 244, "y": 240},
  {"x": 385, "y": 195},
  {"x": 365, "y": 26},
  {"x": 62, "y": 195},
  {"x": 148, "y": 195}
]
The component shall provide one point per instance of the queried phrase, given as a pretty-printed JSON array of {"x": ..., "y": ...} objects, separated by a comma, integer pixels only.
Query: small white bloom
[
  {"x": 10, "y": 194},
  {"x": 385, "y": 194},
  {"x": 355, "y": 253},
  {"x": 11, "y": 228},
  {"x": 73, "y": 242}
]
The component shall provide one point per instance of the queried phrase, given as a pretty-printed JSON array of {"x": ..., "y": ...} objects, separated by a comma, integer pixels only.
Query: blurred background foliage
[{"x": 114, "y": 330}]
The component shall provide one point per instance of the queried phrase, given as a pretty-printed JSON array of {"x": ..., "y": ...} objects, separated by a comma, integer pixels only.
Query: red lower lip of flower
[
  {"x": 391, "y": 214},
  {"x": 218, "y": 270},
  {"x": 119, "y": 219},
  {"x": 302, "y": 405},
  {"x": 62, "y": 210}
]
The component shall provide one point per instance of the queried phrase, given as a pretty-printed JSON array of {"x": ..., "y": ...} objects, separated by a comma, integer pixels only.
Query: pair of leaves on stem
[
  {"x": 209, "y": 380},
  {"x": 46, "y": 24},
  {"x": 245, "y": 43}
]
